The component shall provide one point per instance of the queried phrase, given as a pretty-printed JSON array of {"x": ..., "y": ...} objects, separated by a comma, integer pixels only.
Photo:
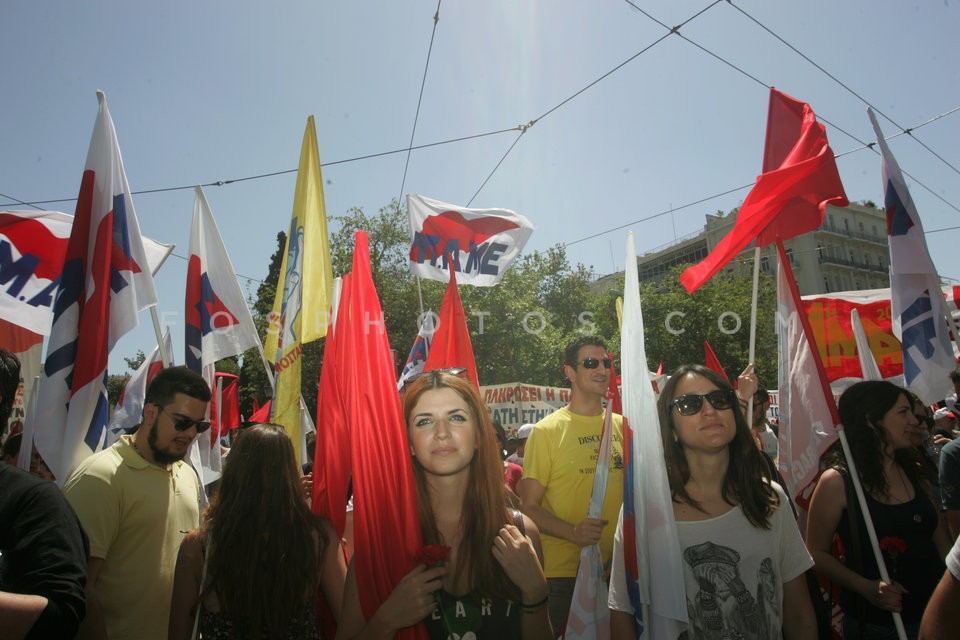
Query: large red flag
[
  {"x": 799, "y": 180},
  {"x": 451, "y": 346},
  {"x": 331, "y": 471},
  {"x": 712, "y": 361},
  {"x": 385, "y": 518}
]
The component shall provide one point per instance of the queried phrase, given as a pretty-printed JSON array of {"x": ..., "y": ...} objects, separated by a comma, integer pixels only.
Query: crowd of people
[{"x": 124, "y": 549}]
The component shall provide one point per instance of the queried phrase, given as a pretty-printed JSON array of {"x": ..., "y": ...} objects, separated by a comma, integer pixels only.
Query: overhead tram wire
[
  {"x": 864, "y": 144},
  {"x": 740, "y": 188},
  {"x": 525, "y": 127},
  {"x": 842, "y": 84},
  {"x": 416, "y": 117}
]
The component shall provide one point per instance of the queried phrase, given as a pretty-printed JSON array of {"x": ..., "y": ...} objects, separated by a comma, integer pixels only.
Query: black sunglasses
[
  {"x": 593, "y": 363},
  {"x": 692, "y": 403},
  {"x": 182, "y": 423}
]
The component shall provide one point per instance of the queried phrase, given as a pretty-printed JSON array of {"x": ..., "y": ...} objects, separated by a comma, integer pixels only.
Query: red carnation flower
[{"x": 433, "y": 555}]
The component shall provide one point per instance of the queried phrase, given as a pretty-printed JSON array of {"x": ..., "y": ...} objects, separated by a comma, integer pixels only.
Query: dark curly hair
[
  {"x": 862, "y": 407},
  {"x": 747, "y": 482}
]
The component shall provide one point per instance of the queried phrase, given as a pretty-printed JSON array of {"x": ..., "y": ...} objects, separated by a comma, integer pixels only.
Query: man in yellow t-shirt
[
  {"x": 136, "y": 501},
  {"x": 559, "y": 466}
]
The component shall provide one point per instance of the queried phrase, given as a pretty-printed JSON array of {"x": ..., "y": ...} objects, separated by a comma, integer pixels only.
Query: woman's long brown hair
[
  {"x": 263, "y": 557},
  {"x": 484, "y": 510},
  {"x": 747, "y": 482}
]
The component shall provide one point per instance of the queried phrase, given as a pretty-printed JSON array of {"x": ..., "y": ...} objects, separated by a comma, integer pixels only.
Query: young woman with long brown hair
[
  {"x": 254, "y": 567},
  {"x": 743, "y": 557},
  {"x": 492, "y": 584}
]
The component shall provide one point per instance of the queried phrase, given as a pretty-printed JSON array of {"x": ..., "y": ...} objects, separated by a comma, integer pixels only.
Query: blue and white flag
[
  {"x": 918, "y": 312},
  {"x": 417, "y": 359},
  {"x": 106, "y": 281}
]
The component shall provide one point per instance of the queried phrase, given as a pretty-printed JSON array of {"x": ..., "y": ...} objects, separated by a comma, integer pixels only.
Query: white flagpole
[
  {"x": 871, "y": 532},
  {"x": 164, "y": 356},
  {"x": 753, "y": 324}
]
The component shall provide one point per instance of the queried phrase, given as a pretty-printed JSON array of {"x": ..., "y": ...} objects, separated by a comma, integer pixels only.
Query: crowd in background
[{"x": 124, "y": 550}]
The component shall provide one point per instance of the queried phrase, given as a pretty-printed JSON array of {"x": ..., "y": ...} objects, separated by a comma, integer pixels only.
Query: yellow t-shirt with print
[{"x": 561, "y": 454}]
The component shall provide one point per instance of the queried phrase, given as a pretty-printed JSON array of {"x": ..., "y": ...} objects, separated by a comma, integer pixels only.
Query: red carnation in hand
[
  {"x": 893, "y": 546},
  {"x": 433, "y": 555}
]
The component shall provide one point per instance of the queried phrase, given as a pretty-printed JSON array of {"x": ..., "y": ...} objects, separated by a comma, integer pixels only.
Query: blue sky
[{"x": 208, "y": 91}]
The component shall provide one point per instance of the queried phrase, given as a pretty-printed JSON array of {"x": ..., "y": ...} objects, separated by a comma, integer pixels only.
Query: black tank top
[{"x": 918, "y": 568}]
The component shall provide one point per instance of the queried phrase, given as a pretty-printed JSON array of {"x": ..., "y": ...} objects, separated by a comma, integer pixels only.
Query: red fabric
[
  {"x": 385, "y": 518},
  {"x": 451, "y": 346},
  {"x": 229, "y": 409},
  {"x": 332, "y": 468},
  {"x": 712, "y": 361},
  {"x": 613, "y": 389},
  {"x": 262, "y": 414},
  {"x": 799, "y": 179}
]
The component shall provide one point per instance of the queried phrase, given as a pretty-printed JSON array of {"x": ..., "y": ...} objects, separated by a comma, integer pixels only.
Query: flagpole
[
  {"x": 753, "y": 323},
  {"x": 164, "y": 356},
  {"x": 828, "y": 393},
  {"x": 871, "y": 531}
]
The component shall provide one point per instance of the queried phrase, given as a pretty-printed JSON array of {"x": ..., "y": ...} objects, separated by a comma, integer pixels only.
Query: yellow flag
[{"x": 301, "y": 304}]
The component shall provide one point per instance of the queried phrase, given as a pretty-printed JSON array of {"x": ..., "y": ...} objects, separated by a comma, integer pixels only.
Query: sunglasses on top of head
[
  {"x": 593, "y": 363},
  {"x": 182, "y": 423},
  {"x": 692, "y": 403}
]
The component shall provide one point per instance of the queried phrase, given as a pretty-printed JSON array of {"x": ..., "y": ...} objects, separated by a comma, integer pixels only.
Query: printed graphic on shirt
[{"x": 723, "y": 607}]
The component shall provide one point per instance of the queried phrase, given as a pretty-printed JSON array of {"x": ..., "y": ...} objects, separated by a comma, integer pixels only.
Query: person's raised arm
[{"x": 410, "y": 602}]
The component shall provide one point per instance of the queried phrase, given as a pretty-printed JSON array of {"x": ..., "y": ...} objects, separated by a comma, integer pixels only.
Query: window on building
[
  {"x": 790, "y": 257},
  {"x": 826, "y": 285},
  {"x": 765, "y": 264},
  {"x": 819, "y": 253},
  {"x": 861, "y": 227}
]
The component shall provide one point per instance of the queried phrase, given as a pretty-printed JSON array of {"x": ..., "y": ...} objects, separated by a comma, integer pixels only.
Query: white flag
[{"x": 482, "y": 243}]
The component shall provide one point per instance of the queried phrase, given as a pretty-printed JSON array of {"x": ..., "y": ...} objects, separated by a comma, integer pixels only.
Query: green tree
[{"x": 677, "y": 323}]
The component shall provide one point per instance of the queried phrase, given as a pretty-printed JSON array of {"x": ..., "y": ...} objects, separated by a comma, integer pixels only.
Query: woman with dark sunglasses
[
  {"x": 880, "y": 423},
  {"x": 743, "y": 557}
]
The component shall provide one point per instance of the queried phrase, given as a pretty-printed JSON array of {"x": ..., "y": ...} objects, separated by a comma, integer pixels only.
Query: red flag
[
  {"x": 712, "y": 361},
  {"x": 224, "y": 406},
  {"x": 386, "y": 523},
  {"x": 799, "y": 180},
  {"x": 332, "y": 468},
  {"x": 613, "y": 389},
  {"x": 451, "y": 345},
  {"x": 262, "y": 414}
]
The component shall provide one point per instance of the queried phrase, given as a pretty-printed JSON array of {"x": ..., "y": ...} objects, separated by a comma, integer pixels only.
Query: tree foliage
[{"x": 519, "y": 327}]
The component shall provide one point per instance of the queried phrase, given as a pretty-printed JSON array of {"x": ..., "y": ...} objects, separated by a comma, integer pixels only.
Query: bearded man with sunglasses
[
  {"x": 137, "y": 500},
  {"x": 559, "y": 465}
]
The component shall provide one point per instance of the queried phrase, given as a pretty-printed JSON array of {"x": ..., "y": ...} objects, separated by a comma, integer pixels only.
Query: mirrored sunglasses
[
  {"x": 593, "y": 363},
  {"x": 692, "y": 403},
  {"x": 181, "y": 423}
]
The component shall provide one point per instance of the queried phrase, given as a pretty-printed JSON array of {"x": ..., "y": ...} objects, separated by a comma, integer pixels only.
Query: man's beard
[{"x": 161, "y": 457}]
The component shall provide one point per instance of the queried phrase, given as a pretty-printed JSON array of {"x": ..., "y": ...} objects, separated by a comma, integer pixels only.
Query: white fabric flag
[
  {"x": 918, "y": 313},
  {"x": 32, "y": 247},
  {"x": 482, "y": 243},
  {"x": 806, "y": 422},
  {"x": 650, "y": 512},
  {"x": 129, "y": 409},
  {"x": 106, "y": 281}
]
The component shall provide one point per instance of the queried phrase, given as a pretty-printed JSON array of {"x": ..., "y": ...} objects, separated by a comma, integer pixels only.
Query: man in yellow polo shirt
[
  {"x": 558, "y": 471},
  {"x": 136, "y": 501}
]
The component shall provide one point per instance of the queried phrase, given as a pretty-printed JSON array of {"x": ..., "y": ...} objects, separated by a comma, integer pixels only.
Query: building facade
[{"x": 848, "y": 252}]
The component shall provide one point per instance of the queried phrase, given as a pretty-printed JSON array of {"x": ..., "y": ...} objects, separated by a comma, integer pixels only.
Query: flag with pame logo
[
  {"x": 918, "y": 312},
  {"x": 481, "y": 243},
  {"x": 105, "y": 283}
]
